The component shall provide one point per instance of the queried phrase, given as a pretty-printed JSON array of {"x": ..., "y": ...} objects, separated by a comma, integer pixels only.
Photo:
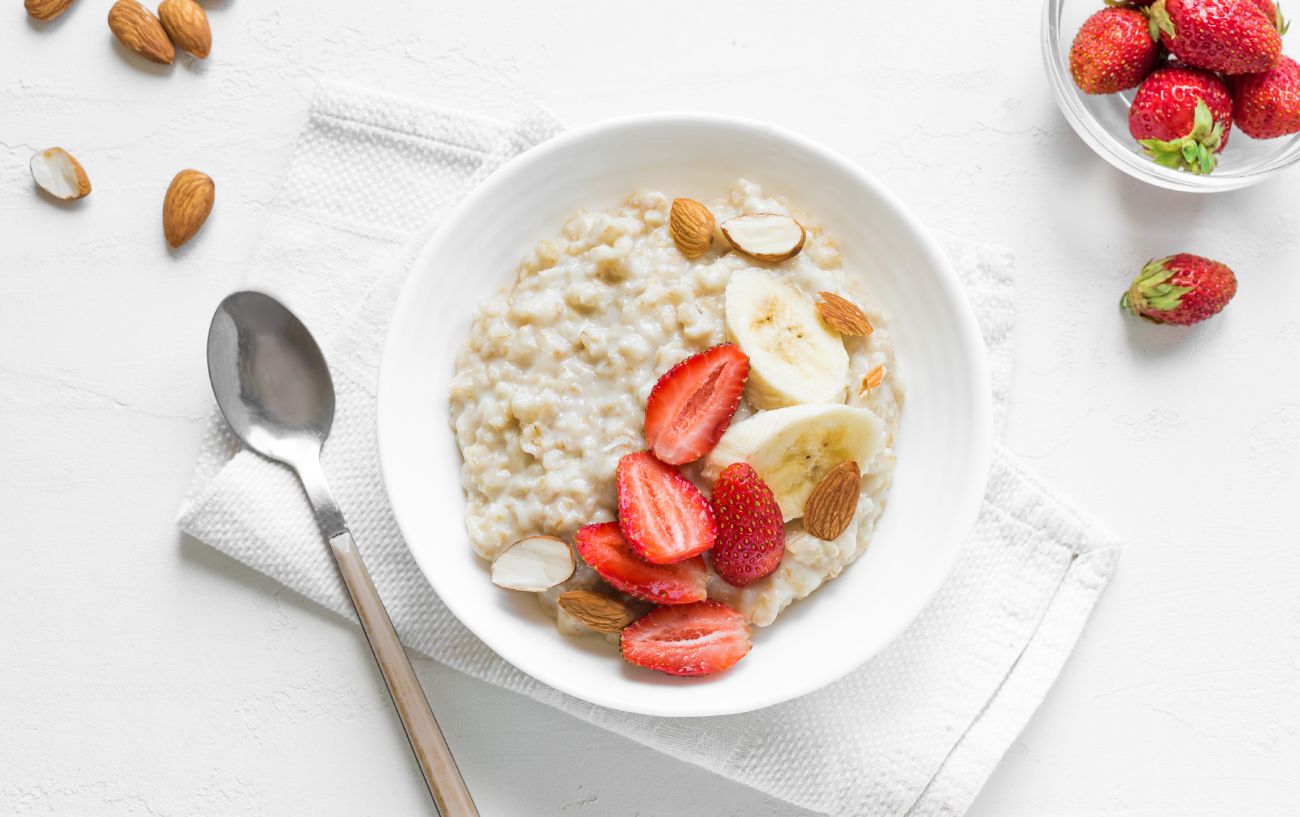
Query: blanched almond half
[
  {"x": 534, "y": 563},
  {"x": 765, "y": 236},
  {"x": 58, "y": 173}
]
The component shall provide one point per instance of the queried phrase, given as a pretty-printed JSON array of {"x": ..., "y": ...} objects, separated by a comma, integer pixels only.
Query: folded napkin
[{"x": 915, "y": 731}]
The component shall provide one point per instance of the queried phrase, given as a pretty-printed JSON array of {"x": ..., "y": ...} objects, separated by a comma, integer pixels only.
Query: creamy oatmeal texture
[{"x": 551, "y": 384}]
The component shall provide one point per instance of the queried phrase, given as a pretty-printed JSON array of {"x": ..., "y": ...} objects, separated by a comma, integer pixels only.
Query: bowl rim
[
  {"x": 1103, "y": 143},
  {"x": 977, "y": 376}
]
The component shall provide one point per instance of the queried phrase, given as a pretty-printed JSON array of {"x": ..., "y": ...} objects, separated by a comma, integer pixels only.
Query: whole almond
[
  {"x": 602, "y": 613},
  {"x": 691, "y": 226},
  {"x": 186, "y": 205},
  {"x": 140, "y": 31},
  {"x": 830, "y": 506},
  {"x": 843, "y": 315},
  {"x": 186, "y": 23},
  {"x": 46, "y": 9}
]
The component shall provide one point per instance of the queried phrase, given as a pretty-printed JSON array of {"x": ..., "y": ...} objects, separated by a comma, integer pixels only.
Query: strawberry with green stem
[
  {"x": 1232, "y": 36},
  {"x": 1182, "y": 117},
  {"x": 1182, "y": 289}
]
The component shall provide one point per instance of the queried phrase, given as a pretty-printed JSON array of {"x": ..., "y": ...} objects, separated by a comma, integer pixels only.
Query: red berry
[
  {"x": 1232, "y": 36},
  {"x": 663, "y": 516},
  {"x": 1182, "y": 117},
  {"x": 1273, "y": 11},
  {"x": 1113, "y": 51},
  {"x": 692, "y": 404},
  {"x": 1182, "y": 289},
  {"x": 602, "y": 546},
  {"x": 751, "y": 532},
  {"x": 1267, "y": 105},
  {"x": 689, "y": 639}
]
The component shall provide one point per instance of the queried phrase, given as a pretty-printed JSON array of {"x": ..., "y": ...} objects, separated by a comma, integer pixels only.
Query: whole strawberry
[
  {"x": 1232, "y": 36},
  {"x": 1267, "y": 105},
  {"x": 1113, "y": 51},
  {"x": 1182, "y": 117},
  {"x": 1182, "y": 289},
  {"x": 751, "y": 533}
]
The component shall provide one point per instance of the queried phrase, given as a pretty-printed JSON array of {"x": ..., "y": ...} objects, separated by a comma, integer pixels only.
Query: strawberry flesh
[
  {"x": 664, "y": 518},
  {"x": 689, "y": 639},
  {"x": 693, "y": 403},
  {"x": 602, "y": 546},
  {"x": 751, "y": 533}
]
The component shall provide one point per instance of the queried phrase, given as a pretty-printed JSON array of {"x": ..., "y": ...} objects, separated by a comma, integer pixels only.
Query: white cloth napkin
[{"x": 916, "y": 731}]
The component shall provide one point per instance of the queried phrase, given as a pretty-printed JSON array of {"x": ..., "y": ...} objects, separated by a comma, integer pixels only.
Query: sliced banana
[
  {"x": 792, "y": 448},
  {"x": 794, "y": 356}
]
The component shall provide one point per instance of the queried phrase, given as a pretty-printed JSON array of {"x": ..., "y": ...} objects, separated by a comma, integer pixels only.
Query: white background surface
[{"x": 142, "y": 674}]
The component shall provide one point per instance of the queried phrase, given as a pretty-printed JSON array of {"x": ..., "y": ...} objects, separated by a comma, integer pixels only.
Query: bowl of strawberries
[{"x": 1194, "y": 95}]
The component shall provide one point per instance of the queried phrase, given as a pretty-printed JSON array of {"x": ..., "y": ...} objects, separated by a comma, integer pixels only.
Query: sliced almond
[
  {"x": 46, "y": 9},
  {"x": 186, "y": 205},
  {"x": 140, "y": 31},
  {"x": 843, "y": 315},
  {"x": 691, "y": 225},
  {"x": 831, "y": 505},
  {"x": 58, "y": 173},
  {"x": 602, "y": 613},
  {"x": 873, "y": 379},
  {"x": 765, "y": 236},
  {"x": 186, "y": 23},
  {"x": 534, "y": 563}
]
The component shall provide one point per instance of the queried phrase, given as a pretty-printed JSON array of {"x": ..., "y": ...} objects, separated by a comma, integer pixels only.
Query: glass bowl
[{"x": 1102, "y": 121}]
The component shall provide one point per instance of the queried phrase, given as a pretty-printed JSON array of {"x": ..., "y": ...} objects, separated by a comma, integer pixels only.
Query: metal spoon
[{"x": 275, "y": 390}]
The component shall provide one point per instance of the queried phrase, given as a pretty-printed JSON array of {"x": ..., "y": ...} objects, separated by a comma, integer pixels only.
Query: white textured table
[{"x": 142, "y": 674}]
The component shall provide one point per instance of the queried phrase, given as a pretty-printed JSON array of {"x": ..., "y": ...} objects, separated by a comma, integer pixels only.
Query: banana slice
[
  {"x": 794, "y": 356},
  {"x": 792, "y": 448}
]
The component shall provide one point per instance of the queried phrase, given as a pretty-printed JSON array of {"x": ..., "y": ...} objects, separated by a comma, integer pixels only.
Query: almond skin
[
  {"x": 186, "y": 206},
  {"x": 691, "y": 225},
  {"x": 830, "y": 506},
  {"x": 186, "y": 23},
  {"x": 602, "y": 613},
  {"x": 843, "y": 315},
  {"x": 46, "y": 9},
  {"x": 140, "y": 31}
]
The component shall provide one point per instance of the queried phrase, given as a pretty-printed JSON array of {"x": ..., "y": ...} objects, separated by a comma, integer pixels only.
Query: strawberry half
[
  {"x": 692, "y": 404},
  {"x": 690, "y": 639},
  {"x": 751, "y": 533},
  {"x": 602, "y": 546},
  {"x": 664, "y": 518}
]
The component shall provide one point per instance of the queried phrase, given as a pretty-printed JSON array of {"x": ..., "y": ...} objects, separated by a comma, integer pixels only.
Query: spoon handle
[{"x": 439, "y": 767}]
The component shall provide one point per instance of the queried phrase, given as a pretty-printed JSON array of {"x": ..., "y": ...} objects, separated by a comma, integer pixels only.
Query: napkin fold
[{"x": 915, "y": 731}]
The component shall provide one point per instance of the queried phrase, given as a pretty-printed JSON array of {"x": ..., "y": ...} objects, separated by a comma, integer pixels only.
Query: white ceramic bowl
[{"x": 943, "y": 447}]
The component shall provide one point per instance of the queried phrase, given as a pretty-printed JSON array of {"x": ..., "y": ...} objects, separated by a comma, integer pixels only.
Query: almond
[
  {"x": 843, "y": 315},
  {"x": 186, "y": 23},
  {"x": 830, "y": 506},
  {"x": 602, "y": 613},
  {"x": 691, "y": 226},
  {"x": 534, "y": 563},
  {"x": 140, "y": 31},
  {"x": 187, "y": 204},
  {"x": 58, "y": 173},
  {"x": 46, "y": 9},
  {"x": 765, "y": 236},
  {"x": 873, "y": 379}
]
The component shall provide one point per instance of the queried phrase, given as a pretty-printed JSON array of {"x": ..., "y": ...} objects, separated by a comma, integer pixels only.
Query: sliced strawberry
[
  {"x": 602, "y": 546},
  {"x": 690, "y": 639},
  {"x": 664, "y": 518},
  {"x": 692, "y": 404},
  {"x": 751, "y": 533}
]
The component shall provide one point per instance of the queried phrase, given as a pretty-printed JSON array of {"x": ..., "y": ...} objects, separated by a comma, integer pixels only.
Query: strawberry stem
[
  {"x": 1195, "y": 151},
  {"x": 1152, "y": 292},
  {"x": 1160, "y": 21}
]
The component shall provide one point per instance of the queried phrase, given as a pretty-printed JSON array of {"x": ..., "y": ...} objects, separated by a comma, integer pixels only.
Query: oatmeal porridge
[{"x": 551, "y": 386}]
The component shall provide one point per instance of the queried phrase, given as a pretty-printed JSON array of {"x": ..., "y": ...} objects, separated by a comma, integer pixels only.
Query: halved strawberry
[
  {"x": 663, "y": 516},
  {"x": 692, "y": 404},
  {"x": 751, "y": 533},
  {"x": 690, "y": 639},
  {"x": 602, "y": 546}
]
